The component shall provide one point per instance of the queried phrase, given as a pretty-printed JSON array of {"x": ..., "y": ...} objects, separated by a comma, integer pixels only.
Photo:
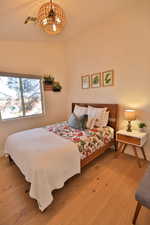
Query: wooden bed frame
[{"x": 113, "y": 119}]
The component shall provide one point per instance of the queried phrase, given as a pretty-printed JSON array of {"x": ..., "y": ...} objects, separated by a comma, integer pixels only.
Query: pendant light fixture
[{"x": 50, "y": 18}]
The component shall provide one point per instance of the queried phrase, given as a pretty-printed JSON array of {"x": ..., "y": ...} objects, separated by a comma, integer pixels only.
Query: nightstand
[{"x": 136, "y": 139}]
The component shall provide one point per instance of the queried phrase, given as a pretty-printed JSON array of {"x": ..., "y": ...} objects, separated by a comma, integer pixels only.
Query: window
[{"x": 20, "y": 97}]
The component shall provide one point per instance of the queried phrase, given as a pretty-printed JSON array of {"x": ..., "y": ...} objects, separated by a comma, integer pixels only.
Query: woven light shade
[{"x": 51, "y": 24}]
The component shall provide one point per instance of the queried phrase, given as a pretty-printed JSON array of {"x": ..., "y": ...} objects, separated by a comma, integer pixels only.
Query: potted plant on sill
[
  {"x": 141, "y": 126},
  {"x": 48, "y": 82},
  {"x": 56, "y": 87}
]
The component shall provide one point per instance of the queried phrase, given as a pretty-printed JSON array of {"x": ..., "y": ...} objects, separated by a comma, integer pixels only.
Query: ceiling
[{"x": 80, "y": 15}]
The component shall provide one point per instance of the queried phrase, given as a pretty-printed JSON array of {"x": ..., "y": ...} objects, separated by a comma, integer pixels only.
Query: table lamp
[{"x": 129, "y": 115}]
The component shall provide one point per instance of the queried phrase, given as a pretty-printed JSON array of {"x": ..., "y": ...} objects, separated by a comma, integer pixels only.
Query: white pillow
[
  {"x": 104, "y": 120},
  {"x": 91, "y": 123},
  {"x": 80, "y": 111},
  {"x": 95, "y": 113}
]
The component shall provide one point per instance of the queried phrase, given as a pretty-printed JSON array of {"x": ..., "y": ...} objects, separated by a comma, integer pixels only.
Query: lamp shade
[
  {"x": 51, "y": 18},
  {"x": 130, "y": 114}
]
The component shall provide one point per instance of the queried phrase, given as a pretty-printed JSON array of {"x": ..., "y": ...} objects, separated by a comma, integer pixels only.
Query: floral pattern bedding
[{"x": 88, "y": 141}]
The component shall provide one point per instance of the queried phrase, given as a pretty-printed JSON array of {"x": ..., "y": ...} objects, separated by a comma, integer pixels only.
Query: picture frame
[
  {"x": 85, "y": 81},
  {"x": 96, "y": 80},
  {"x": 108, "y": 78}
]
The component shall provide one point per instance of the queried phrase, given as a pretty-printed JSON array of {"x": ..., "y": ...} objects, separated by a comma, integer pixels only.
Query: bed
[
  {"x": 113, "y": 123},
  {"x": 50, "y": 155}
]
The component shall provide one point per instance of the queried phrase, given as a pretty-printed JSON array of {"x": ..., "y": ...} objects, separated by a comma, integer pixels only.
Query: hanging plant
[
  {"x": 48, "y": 79},
  {"x": 48, "y": 82},
  {"x": 56, "y": 87}
]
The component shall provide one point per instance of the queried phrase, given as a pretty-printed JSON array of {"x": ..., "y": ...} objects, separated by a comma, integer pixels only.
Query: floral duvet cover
[{"x": 88, "y": 141}]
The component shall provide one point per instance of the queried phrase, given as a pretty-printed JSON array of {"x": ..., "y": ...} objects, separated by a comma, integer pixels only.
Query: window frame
[{"x": 26, "y": 76}]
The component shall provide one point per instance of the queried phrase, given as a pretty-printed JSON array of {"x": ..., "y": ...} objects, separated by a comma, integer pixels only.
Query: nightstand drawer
[{"x": 127, "y": 139}]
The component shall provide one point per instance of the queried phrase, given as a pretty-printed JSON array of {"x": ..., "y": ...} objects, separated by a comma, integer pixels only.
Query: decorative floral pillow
[
  {"x": 104, "y": 120},
  {"x": 94, "y": 114}
]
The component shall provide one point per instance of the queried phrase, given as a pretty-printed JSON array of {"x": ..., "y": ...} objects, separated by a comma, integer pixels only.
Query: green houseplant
[
  {"x": 48, "y": 82},
  {"x": 56, "y": 87},
  {"x": 141, "y": 126}
]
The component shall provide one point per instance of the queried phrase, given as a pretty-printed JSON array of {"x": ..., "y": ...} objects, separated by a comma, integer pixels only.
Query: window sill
[{"x": 22, "y": 118}]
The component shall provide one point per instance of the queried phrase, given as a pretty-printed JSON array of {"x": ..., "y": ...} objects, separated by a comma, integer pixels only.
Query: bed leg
[
  {"x": 10, "y": 160},
  {"x": 27, "y": 190},
  {"x": 116, "y": 146}
]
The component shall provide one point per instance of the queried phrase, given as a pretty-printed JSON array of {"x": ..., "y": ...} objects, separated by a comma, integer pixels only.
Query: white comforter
[{"x": 45, "y": 159}]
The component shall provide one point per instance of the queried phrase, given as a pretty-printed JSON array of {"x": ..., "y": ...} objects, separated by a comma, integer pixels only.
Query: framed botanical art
[
  {"x": 108, "y": 78},
  {"x": 95, "y": 80},
  {"x": 85, "y": 80}
]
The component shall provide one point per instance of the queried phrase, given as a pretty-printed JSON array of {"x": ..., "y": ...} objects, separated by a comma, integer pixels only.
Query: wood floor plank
[{"x": 102, "y": 195}]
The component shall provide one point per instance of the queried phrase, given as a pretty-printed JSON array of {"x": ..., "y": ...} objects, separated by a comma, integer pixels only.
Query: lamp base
[{"x": 129, "y": 126}]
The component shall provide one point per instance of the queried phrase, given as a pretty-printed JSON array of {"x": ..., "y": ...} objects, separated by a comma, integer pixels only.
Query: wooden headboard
[{"x": 112, "y": 108}]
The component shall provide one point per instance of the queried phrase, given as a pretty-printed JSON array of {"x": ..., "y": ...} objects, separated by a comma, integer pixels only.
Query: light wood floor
[{"x": 102, "y": 195}]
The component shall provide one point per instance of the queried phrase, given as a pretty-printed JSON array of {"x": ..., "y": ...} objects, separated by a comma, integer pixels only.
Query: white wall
[
  {"x": 35, "y": 58},
  {"x": 123, "y": 44}
]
